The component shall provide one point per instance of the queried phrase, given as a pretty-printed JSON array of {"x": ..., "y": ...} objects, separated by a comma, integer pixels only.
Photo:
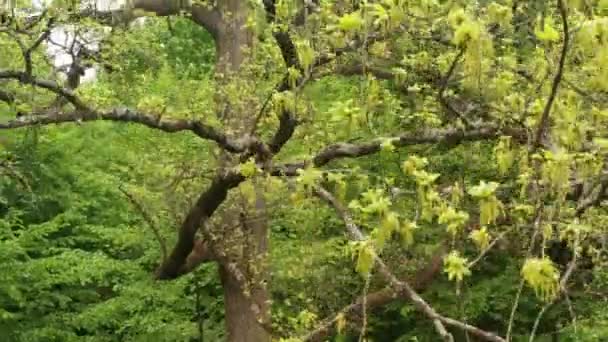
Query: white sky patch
[{"x": 63, "y": 37}]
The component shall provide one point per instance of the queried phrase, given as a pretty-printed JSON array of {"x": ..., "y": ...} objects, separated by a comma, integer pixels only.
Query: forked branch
[
  {"x": 404, "y": 287},
  {"x": 420, "y": 282},
  {"x": 205, "y": 206}
]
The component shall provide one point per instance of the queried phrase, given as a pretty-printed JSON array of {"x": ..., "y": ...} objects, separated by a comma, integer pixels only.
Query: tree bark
[
  {"x": 241, "y": 323},
  {"x": 233, "y": 40}
]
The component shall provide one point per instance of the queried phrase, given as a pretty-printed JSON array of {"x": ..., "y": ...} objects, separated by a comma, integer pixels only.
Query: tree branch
[
  {"x": 52, "y": 86},
  {"x": 450, "y": 137},
  {"x": 543, "y": 126},
  {"x": 27, "y": 54},
  {"x": 594, "y": 199},
  {"x": 287, "y": 119},
  {"x": 444, "y": 86},
  {"x": 205, "y": 206},
  {"x": 287, "y": 126},
  {"x": 420, "y": 282},
  {"x": 131, "y": 116}
]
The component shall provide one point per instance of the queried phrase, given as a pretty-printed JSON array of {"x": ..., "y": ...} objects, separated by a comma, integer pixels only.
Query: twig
[
  {"x": 544, "y": 121},
  {"x": 562, "y": 289},
  {"x": 486, "y": 250},
  {"x": 368, "y": 280},
  {"x": 27, "y": 54},
  {"x": 594, "y": 199},
  {"x": 444, "y": 86},
  {"x": 149, "y": 220}
]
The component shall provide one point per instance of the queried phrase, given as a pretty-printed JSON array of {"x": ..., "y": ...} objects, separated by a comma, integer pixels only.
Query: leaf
[
  {"x": 249, "y": 168},
  {"x": 375, "y": 202},
  {"x": 351, "y": 22},
  {"x": 306, "y": 54},
  {"x": 545, "y": 31},
  {"x": 340, "y": 322},
  {"x": 453, "y": 219},
  {"x": 407, "y": 233},
  {"x": 483, "y": 190},
  {"x": 365, "y": 259},
  {"x": 413, "y": 163},
  {"x": 504, "y": 155},
  {"x": 387, "y": 146},
  {"x": 456, "y": 266},
  {"x": 542, "y": 276},
  {"x": 308, "y": 177},
  {"x": 481, "y": 238}
]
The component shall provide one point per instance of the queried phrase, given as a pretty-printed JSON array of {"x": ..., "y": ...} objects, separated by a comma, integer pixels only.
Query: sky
[{"x": 64, "y": 36}]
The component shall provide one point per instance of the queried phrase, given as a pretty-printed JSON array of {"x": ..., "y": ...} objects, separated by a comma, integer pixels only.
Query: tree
[{"x": 431, "y": 73}]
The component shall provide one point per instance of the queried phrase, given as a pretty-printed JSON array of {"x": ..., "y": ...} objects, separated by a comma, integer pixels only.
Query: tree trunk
[
  {"x": 241, "y": 323},
  {"x": 233, "y": 40}
]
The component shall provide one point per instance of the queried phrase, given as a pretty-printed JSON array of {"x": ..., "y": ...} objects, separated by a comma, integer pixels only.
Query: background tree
[{"x": 472, "y": 132}]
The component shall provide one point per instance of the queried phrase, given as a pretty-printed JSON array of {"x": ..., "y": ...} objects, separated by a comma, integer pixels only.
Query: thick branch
[
  {"x": 202, "y": 13},
  {"x": 284, "y": 41},
  {"x": 205, "y": 206},
  {"x": 450, "y": 136},
  {"x": 130, "y": 116},
  {"x": 52, "y": 86},
  {"x": 287, "y": 126},
  {"x": 287, "y": 119}
]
